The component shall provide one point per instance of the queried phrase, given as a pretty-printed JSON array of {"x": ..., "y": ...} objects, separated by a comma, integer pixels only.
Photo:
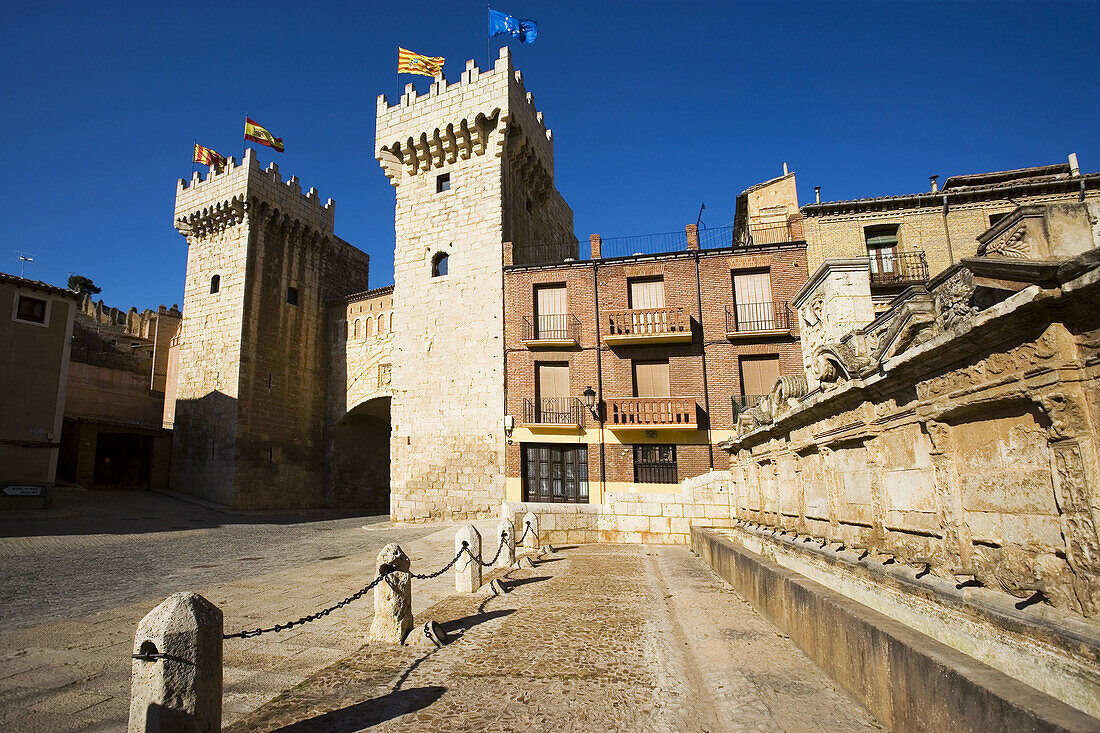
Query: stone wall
[
  {"x": 959, "y": 428},
  {"x": 252, "y": 377},
  {"x": 483, "y": 134}
]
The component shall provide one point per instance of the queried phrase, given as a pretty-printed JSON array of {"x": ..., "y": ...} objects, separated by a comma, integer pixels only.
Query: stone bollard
[
  {"x": 467, "y": 568},
  {"x": 393, "y": 617},
  {"x": 176, "y": 673},
  {"x": 531, "y": 532},
  {"x": 508, "y": 553}
]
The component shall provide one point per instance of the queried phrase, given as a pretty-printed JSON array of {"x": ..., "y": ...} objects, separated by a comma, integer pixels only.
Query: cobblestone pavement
[
  {"x": 103, "y": 549},
  {"x": 74, "y": 674},
  {"x": 596, "y": 638}
]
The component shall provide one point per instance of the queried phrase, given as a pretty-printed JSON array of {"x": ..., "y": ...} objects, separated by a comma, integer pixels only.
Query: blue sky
[{"x": 655, "y": 107}]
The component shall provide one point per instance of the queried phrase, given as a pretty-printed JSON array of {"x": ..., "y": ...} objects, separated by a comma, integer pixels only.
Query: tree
[{"x": 82, "y": 285}]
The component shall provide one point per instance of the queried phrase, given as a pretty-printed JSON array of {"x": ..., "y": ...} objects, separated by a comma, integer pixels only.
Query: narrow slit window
[
  {"x": 443, "y": 182},
  {"x": 292, "y": 296},
  {"x": 215, "y": 284},
  {"x": 439, "y": 264}
]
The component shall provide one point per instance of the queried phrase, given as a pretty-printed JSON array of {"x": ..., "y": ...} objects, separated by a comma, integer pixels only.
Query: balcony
[
  {"x": 652, "y": 413},
  {"x": 779, "y": 232},
  {"x": 753, "y": 320},
  {"x": 554, "y": 413},
  {"x": 648, "y": 326},
  {"x": 551, "y": 332},
  {"x": 898, "y": 269}
]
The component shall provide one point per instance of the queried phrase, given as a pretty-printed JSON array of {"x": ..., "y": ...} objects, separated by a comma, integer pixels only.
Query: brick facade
[{"x": 705, "y": 369}]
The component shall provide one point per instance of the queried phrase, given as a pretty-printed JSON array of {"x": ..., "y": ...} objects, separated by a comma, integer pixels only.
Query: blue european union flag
[{"x": 502, "y": 24}]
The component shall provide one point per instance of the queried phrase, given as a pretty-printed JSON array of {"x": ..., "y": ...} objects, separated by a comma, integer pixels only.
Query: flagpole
[{"x": 193, "y": 158}]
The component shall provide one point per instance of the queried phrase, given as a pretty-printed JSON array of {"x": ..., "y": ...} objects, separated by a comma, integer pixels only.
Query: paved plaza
[{"x": 594, "y": 637}]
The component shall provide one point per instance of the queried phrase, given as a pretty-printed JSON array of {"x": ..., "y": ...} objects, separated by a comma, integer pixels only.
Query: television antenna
[{"x": 24, "y": 258}]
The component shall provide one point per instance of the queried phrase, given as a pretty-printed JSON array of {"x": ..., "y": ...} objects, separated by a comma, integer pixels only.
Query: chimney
[
  {"x": 817, "y": 194},
  {"x": 1074, "y": 168},
  {"x": 692, "y": 232},
  {"x": 933, "y": 181},
  {"x": 595, "y": 242},
  {"x": 784, "y": 168}
]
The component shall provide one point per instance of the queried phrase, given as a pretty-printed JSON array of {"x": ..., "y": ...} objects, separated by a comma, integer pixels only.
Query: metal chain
[
  {"x": 524, "y": 535},
  {"x": 444, "y": 569},
  {"x": 363, "y": 591},
  {"x": 500, "y": 549},
  {"x": 312, "y": 617}
]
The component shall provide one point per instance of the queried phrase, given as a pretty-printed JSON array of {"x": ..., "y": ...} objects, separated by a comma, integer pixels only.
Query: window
[
  {"x": 439, "y": 264},
  {"x": 648, "y": 296},
  {"x": 443, "y": 182},
  {"x": 355, "y": 330},
  {"x": 882, "y": 248},
  {"x": 651, "y": 379},
  {"x": 995, "y": 218},
  {"x": 552, "y": 403},
  {"x": 31, "y": 310},
  {"x": 655, "y": 464},
  {"x": 555, "y": 472},
  {"x": 292, "y": 297},
  {"x": 382, "y": 323},
  {"x": 758, "y": 375},
  {"x": 550, "y": 312},
  {"x": 215, "y": 284},
  {"x": 752, "y": 299}
]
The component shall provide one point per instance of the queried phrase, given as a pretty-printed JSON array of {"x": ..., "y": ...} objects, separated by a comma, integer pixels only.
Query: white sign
[{"x": 24, "y": 490}]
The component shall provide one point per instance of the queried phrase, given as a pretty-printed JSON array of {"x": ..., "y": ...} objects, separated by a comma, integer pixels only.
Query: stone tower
[
  {"x": 262, "y": 261},
  {"x": 473, "y": 167}
]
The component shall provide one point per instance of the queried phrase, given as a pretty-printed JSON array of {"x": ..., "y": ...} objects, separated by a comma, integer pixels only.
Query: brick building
[{"x": 623, "y": 373}]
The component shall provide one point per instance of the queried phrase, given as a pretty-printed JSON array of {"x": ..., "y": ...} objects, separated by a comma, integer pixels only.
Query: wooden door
[
  {"x": 758, "y": 374},
  {"x": 648, "y": 298},
  {"x": 752, "y": 297},
  {"x": 551, "y": 308},
  {"x": 555, "y": 473}
]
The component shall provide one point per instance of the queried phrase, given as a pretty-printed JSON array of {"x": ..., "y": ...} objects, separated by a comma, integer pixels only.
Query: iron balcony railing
[
  {"x": 744, "y": 402},
  {"x": 752, "y": 317},
  {"x": 898, "y": 268},
  {"x": 557, "y": 327},
  {"x": 652, "y": 411},
  {"x": 647, "y": 322},
  {"x": 776, "y": 233},
  {"x": 554, "y": 411}
]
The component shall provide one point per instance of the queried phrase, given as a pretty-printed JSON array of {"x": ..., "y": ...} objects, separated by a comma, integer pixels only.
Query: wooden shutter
[
  {"x": 647, "y": 294},
  {"x": 551, "y": 308},
  {"x": 651, "y": 379},
  {"x": 553, "y": 381},
  {"x": 758, "y": 374},
  {"x": 752, "y": 295}
]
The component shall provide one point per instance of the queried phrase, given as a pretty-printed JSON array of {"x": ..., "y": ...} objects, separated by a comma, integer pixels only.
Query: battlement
[
  {"x": 224, "y": 193},
  {"x": 423, "y": 130}
]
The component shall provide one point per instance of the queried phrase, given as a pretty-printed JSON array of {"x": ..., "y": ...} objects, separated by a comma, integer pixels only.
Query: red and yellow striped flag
[
  {"x": 414, "y": 63},
  {"x": 257, "y": 133},
  {"x": 209, "y": 157}
]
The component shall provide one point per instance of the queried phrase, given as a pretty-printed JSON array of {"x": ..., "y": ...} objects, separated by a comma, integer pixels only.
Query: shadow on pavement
[
  {"x": 516, "y": 583},
  {"x": 370, "y": 712},
  {"x": 467, "y": 622},
  {"x": 80, "y": 511}
]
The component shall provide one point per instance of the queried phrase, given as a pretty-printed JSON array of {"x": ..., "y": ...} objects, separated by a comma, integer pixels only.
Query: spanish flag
[
  {"x": 209, "y": 157},
  {"x": 256, "y": 132},
  {"x": 413, "y": 63}
]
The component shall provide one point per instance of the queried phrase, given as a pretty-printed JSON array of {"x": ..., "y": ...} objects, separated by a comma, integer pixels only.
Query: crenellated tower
[
  {"x": 472, "y": 164},
  {"x": 262, "y": 262}
]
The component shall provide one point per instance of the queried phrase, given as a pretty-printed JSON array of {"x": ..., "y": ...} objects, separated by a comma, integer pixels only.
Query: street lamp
[{"x": 590, "y": 401}]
